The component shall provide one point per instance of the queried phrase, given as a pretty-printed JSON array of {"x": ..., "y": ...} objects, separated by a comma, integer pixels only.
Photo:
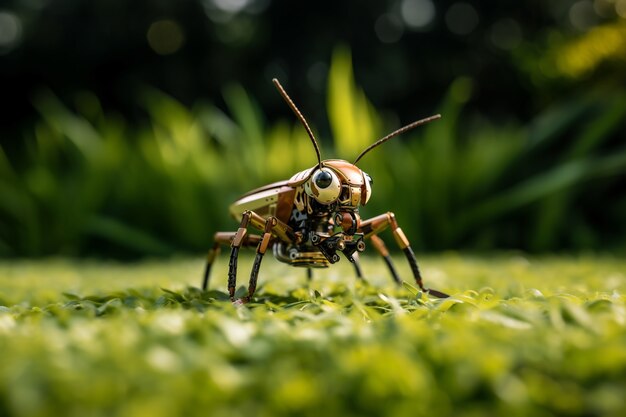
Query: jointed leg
[
  {"x": 370, "y": 228},
  {"x": 381, "y": 248},
  {"x": 219, "y": 239},
  {"x": 210, "y": 258},
  {"x": 234, "y": 253},
  {"x": 260, "y": 252},
  {"x": 357, "y": 266},
  {"x": 271, "y": 227}
]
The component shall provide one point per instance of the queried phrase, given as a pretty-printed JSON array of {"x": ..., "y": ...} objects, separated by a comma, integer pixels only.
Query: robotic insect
[{"x": 307, "y": 219}]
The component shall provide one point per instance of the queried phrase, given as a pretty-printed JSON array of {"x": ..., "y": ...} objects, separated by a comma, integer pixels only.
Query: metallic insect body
[{"x": 309, "y": 218}]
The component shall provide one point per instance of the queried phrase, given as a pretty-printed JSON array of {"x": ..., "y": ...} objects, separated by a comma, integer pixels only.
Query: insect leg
[
  {"x": 234, "y": 253},
  {"x": 375, "y": 225},
  {"x": 381, "y": 248},
  {"x": 371, "y": 228},
  {"x": 404, "y": 244},
  {"x": 219, "y": 239},
  {"x": 357, "y": 266},
  {"x": 272, "y": 227},
  {"x": 210, "y": 258},
  {"x": 260, "y": 252}
]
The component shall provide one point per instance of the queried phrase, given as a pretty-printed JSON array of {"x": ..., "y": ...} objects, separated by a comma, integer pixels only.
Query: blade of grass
[
  {"x": 127, "y": 236},
  {"x": 540, "y": 186}
]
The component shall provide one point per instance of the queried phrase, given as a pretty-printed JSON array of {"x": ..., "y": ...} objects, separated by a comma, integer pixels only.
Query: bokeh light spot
[
  {"x": 582, "y": 15},
  {"x": 223, "y": 11},
  {"x": 417, "y": 14},
  {"x": 461, "y": 89},
  {"x": 165, "y": 37},
  {"x": 388, "y": 28},
  {"x": 231, "y": 6},
  {"x": 240, "y": 30},
  {"x": 10, "y": 31},
  {"x": 462, "y": 18},
  {"x": 585, "y": 54},
  {"x": 620, "y": 8},
  {"x": 604, "y": 8},
  {"x": 506, "y": 34}
]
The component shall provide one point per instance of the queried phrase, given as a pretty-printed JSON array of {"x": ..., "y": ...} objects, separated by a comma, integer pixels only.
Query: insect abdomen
[{"x": 276, "y": 201}]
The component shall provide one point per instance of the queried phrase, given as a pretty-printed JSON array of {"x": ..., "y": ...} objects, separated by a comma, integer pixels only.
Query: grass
[{"x": 520, "y": 336}]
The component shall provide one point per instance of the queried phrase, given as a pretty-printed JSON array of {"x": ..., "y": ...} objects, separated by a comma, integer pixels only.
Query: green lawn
[{"x": 520, "y": 336}]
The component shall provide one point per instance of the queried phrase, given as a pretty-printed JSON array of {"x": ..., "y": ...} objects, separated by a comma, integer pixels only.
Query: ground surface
[{"x": 519, "y": 336}]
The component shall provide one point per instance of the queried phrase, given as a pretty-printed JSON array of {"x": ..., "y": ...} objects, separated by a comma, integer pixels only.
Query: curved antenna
[
  {"x": 291, "y": 104},
  {"x": 396, "y": 133}
]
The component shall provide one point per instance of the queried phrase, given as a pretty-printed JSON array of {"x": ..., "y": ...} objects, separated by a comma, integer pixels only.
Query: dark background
[{"x": 101, "y": 46}]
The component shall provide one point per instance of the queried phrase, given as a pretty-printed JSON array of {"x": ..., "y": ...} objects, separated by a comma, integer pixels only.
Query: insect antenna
[
  {"x": 291, "y": 104},
  {"x": 396, "y": 133}
]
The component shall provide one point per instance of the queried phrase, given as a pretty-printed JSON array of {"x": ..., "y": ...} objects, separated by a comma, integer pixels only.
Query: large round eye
[
  {"x": 365, "y": 196},
  {"x": 324, "y": 186},
  {"x": 323, "y": 179}
]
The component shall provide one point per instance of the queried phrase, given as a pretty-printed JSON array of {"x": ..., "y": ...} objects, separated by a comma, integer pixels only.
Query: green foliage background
[
  {"x": 90, "y": 183},
  {"x": 132, "y": 137}
]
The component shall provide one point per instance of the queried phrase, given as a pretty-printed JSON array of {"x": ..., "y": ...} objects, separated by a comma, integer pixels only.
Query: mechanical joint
[
  {"x": 401, "y": 239},
  {"x": 239, "y": 237},
  {"x": 265, "y": 240}
]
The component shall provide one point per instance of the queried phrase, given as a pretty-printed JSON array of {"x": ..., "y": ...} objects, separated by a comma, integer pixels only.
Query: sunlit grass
[{"x": 519, "y": 336}]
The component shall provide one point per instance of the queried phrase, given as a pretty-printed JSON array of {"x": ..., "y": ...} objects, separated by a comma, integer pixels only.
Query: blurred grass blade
[
  {"x": 543, "y": 185},
  {"x": 548, "y": 225},
  {"x": 125, "y": 236},
  {"x": 600, "y": 129},
  {"x": 247, "y": 115},
  {"x": 353, "y": 120},
  {"x": 80, "y": 132},
  {"x": 553, "y": 122}
]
